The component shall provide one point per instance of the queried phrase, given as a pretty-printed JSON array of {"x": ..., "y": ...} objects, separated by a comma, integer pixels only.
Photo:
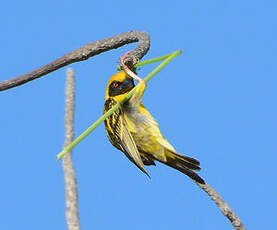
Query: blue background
[{"x": 216, "y": 102}]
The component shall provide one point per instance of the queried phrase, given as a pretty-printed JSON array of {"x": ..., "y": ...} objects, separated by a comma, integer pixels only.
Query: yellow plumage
[{"x": 135, "y": 132}]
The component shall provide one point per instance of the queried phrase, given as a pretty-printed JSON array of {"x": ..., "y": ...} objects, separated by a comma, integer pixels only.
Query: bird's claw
[{"x": 126, "y": 67}]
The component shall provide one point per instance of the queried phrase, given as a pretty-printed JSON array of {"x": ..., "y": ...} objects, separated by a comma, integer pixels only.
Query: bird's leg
[
  {"x": 136, "y": 98},
  {"x": 126, "y": 68}
]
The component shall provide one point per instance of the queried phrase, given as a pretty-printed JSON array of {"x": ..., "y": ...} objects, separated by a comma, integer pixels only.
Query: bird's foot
[{"x": 126, "y": 66}]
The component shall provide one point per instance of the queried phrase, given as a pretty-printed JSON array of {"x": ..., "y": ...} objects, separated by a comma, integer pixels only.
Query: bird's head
[{"x": 119, "y": 85}]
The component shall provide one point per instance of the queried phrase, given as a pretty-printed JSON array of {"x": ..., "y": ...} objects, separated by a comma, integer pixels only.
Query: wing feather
[
  {"x": 117, "y": 129},
  {"x": 129, "y": 146}
]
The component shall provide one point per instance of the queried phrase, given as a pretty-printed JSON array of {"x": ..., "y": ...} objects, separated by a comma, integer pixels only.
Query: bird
[{"x": 133, "y": 130}]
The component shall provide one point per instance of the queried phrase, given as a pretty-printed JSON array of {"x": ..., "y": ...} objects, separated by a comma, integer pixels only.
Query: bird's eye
[{"x": 115, "y": 84}]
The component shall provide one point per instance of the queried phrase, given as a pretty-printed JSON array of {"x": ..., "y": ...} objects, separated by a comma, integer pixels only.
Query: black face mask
[{"x": 117, "y": 87}]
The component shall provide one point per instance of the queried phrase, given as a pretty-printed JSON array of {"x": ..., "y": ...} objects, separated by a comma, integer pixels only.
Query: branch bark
[
  {"x": 84, "y": 53},
  {"x": 71, "y": 193},
  {"x": 81, "y": 54},
  {"x": 223, "y": 206}
]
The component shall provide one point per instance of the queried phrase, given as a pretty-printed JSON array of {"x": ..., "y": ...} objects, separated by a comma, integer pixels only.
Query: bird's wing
[
  {"x": 118, "y": 131},
  {"x": 128, "y": 145}
]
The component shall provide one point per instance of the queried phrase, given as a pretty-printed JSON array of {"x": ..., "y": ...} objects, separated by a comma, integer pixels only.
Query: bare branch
[
  {"x": 71, "y": 193},
  {"x": 84, "y": 53},
  {"x": 223, "y": 206}
]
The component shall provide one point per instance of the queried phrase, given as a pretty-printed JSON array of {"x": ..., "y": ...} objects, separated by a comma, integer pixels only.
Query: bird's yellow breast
[{"x": 145, "y": 130}]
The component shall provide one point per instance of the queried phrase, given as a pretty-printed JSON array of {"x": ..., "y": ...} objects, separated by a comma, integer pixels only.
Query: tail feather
[
  {"x": 184, "y": 164},
  {"x": 187, "y": 162},
  {"x": 189, "y": 159}
]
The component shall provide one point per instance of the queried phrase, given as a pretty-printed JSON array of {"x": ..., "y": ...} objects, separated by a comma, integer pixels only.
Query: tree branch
[
  {"x": 84, "y": 53},
  {"x": 71, "y": 193},
  {"x": 223, "y": 206},
  {"x": 81, "y": 54}
]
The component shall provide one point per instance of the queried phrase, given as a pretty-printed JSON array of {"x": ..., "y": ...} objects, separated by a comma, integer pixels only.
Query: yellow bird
[{"x": 135, "y": 132}]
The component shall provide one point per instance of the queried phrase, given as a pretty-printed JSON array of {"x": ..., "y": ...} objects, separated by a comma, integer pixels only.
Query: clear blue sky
[{"x": 222, "y": 91}]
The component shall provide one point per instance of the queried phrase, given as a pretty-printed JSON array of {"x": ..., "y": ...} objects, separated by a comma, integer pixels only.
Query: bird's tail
[{"x": 184, "y": 164}]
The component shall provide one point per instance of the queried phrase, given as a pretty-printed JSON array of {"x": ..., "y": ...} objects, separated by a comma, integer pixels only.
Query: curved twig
[
  {"x": 84, "y": 53},
  {"x": 71, "y": 193},
  {"x": 223, "y": 206}
]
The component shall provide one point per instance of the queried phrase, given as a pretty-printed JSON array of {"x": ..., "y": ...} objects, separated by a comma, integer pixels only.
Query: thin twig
[
  {"x": 84, "y": 53},
  {"x": 223, "y": 206},
  {"x": 71, "y": 193}
]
